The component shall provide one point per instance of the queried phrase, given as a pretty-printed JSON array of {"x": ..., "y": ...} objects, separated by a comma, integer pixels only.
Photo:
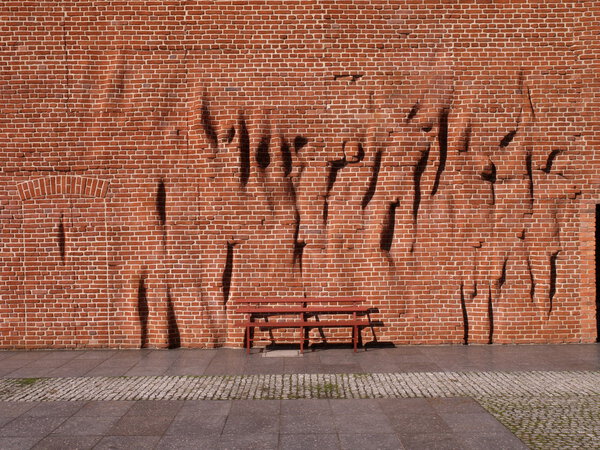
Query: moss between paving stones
[
  {"x": 544, "y": 409},
  {"x": 26, "y": 381}
]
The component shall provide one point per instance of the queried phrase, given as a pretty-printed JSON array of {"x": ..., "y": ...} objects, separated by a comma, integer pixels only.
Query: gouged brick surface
[{"x": 161, "y": 160}]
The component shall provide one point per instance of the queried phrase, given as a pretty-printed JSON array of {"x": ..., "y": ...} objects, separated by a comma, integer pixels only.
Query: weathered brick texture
[{"x": 161, "y": 159}]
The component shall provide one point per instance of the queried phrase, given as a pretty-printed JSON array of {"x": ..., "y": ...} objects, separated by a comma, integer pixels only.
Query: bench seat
[
  {"x": 308, "y": 309},
  {"x": 309, "y": 323}
]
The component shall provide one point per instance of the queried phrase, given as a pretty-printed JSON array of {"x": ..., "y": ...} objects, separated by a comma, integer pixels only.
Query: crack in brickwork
[
  {"x": 441, "y": 169},
  {"x": 62, "y": 239}
]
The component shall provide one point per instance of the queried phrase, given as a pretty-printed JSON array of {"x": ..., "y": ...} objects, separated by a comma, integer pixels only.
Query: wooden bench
[{"x": 304, "y": 314}]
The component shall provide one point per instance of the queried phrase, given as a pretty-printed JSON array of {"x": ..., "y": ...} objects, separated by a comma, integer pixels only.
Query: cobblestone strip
[
  {"x": 282, "y": 386},
  {"x": 545, "y": 422}
]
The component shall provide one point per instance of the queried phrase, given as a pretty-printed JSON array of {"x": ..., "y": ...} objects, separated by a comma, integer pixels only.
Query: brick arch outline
[
  {"x": 63, "y": 185},
  {"x": 74, "y": 185}
]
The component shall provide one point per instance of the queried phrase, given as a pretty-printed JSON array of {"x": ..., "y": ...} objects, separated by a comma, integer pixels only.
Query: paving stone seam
[{"x": 291, "y": 386}]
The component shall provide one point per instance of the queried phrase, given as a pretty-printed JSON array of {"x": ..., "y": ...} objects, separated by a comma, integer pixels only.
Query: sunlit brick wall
[{"x": 162, "y": 159}]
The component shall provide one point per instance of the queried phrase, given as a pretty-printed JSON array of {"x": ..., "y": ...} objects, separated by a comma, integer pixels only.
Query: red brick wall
[{"x": 162, "y": 159}]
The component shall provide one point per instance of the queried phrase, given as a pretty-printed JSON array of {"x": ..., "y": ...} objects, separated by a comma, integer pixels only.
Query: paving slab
[
  {"x": 5, "y": 420},
  {"x": 27, "y": 426},
  {"x": 300, "y": 407},
  {"x": 413, "y": 406},
  {"x": 98, "y": 409},
  {"x": 187, "y": 443},
  {"x": 264, "y": 365},
  {"x": 141, "y": 425},
  {"x": 210, "y": 425},
  {"x": 85, "y": 426},
  {"x": 155, "y": 408},
  {"x": 67, "y": 442},
  {"x": 345, "y": 407},
  {"x": 251, "y": 423},
  {"x": 248, "y": 441},
  {"x": 201, "y": 408},
  {"x": 60, "y": 408},
  {"x": 311, "y": 441},
  {"x": 432, "y": 440},
  {"x": 12, "y": 409},
  {"x": 110, "y": 369},
  {"x": 228, "y": 362},
  {"x": 363, "y": 423},
  {"x": 127, "y": 442},
  {"x": 98, "y": 355},
  {"x": 248, "y": 406},
  {"x": 302, "y": 422},
  {"x": 74, "y": 368},
  {"x": 18, "y": 443},
  {"x": 151, "y": 369},
  {"x": 380, "y": 441},
  {"x": 408, "y": 424}
]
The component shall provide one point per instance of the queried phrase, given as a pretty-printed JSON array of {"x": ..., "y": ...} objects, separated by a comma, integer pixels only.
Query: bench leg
[
  {"x": 354, "y": 331},
  {"x": 302, "y": 318},
  {"x": 360, "y": 339},
  {"x": 248, "y": 339}
]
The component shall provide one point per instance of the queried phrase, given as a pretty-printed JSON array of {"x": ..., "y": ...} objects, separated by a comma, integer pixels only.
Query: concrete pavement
[{"x": 404, "y": 397}]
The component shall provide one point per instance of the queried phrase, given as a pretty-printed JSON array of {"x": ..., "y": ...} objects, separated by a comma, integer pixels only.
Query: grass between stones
[{"x": 562, "y": 414}]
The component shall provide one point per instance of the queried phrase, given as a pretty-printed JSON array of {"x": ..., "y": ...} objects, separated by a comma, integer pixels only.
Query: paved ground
[{"x": 407, "y": 397}]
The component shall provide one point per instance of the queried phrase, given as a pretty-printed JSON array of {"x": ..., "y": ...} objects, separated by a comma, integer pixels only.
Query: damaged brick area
[{"x": 159, "y": 166}]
